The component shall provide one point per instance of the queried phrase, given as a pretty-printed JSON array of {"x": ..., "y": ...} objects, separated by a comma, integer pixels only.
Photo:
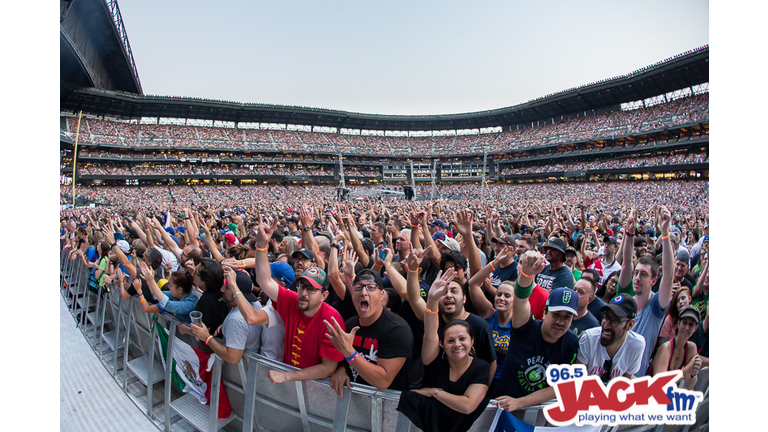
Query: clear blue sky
[{"x": 400, "y": 57}]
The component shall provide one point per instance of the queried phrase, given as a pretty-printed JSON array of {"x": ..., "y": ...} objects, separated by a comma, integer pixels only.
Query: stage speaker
[{"x": 408, "y": 192}]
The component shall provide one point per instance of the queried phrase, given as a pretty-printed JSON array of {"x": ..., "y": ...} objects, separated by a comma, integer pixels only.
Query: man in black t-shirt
[
  {"x": 533, "y": 344},
  {"x": 378, "y": 347},
  {"x": 556, "y": 274}
]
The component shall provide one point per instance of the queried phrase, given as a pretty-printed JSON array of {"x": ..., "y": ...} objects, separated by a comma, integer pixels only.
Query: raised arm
[
  {"x": 531, "y": 264},
  {"x": 307, "y": 238},
  {"x": 412, "y": 264},
  {"x": 627, "y": 250},
  {"x": 168, "y": 242},
  {"x": 667, "y": 260},
  {"x": 484, "y": 307},
  {"x": 464, "y": 225},
  {"x": 431, "y": 347}
]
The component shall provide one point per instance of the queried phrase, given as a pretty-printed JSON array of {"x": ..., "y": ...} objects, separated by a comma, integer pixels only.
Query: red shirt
[
  {"x": 538, "y": 301},
  {"x": 305, "y": 341}
]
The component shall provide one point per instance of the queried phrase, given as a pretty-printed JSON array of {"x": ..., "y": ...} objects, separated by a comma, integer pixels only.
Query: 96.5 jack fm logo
[{"x": 584, "y": 400}]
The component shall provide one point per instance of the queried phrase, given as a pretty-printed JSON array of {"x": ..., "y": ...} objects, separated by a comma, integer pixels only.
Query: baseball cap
[
  {"x": 368, "y": 274},
  {"x": 612, "y": 240},
  {"x": 622, "y": 305},
  {"x": 306, "y": 252},
  {"x": 245, "y": 285},
  {"x": 556, "y": 243},
  {"x": 691, "y": 312},
  {"x": 451, "y": 244},
  {"x": 438, "y": 223},
  {"x": 283, "y": 272},
  {"x": 315, "y": 276},
  {"x": 570, "y": 249},
  {"x": 563, "y": 299},
  {"x": 438, "y": 236},
  {"x": 650, "y": 232},
  {"x": 124, "y": 246},
  {"x": 505, "y": 240},
  {"x": 161, "y": 283},
  {"x": 230, "y": 239}
]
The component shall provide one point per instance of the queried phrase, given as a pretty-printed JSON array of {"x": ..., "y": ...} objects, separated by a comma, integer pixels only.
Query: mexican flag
[{"x": 192, "y": 370}]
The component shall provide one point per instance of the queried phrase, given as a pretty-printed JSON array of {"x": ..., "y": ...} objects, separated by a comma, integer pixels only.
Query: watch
[
  {"x": 113, "y": 245},
  {"x": 307, "y": 228}
]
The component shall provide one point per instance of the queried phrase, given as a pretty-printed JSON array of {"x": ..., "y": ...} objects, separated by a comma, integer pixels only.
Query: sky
[{"x": 400, "y": 57}]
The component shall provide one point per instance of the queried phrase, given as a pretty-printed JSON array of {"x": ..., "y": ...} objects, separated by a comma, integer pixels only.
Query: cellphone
[{"x": 382, "y": 254}]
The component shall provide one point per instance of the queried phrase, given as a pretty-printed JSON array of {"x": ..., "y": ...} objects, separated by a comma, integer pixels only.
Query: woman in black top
[
  {"x": 209, "y": 278},
  {"x": 455, "y": 383}
]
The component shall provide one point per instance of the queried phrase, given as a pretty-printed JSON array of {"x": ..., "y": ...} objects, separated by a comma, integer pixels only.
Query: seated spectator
[
  {"x": 613, "y": 350},
  {"x": 378, "y": 347},
  {"x": 239, "y": 337},
  {"x": 446, "y": 404},
  {"x": 679, "y": 352}
]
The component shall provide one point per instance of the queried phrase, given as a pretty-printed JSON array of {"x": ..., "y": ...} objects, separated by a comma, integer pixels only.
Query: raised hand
[
  {"x": 532, "y": 263},
  {"x": 440, "y": 285}
]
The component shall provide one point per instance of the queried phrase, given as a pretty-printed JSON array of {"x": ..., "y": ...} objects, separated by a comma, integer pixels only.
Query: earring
[{"x": 472, "y": 351}]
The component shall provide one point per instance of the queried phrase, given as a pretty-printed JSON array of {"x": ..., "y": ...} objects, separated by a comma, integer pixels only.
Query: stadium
[{"x": 644, "y": 134}]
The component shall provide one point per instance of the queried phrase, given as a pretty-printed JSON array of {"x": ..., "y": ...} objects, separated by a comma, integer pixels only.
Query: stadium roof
[
  {"x": 682, "y": 71},
  {"x": 94, "y": 48}
]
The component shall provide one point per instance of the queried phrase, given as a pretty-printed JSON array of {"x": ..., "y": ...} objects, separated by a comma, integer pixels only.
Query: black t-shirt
[
  {"x": 701, "y": 339},
  {"x": 525, "y": 365},
  {"x": 213, "y": 310},
  {"x": 550, "y": 279},
  {"x": 429, "y": 414},
  {"x": 345, "y": 307},
  {"x": 588, "y": 321},
  {"x": 148, "y": 296},
  {"x": 484, "y": 347},
  {"x": 417, "y": 330},
  {"x": 503, "y": 274},
  {"x": 388, "y": 337}
]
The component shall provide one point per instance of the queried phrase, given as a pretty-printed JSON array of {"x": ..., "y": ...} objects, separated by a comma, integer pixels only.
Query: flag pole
[{"x": 74, "y": 162}]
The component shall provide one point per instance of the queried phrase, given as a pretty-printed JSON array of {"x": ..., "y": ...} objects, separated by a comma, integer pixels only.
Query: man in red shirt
[{"x": 303, "y": 312}]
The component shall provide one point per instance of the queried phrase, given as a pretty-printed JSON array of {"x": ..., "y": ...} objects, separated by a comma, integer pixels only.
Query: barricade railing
[{"x": 257, "y": 404}]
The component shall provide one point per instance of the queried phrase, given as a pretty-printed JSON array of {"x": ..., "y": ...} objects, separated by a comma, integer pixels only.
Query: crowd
[
  {"x": 449, "y": 301},
  {"x": 692, "y": 109},
  {"x": 618, "y": 163}
]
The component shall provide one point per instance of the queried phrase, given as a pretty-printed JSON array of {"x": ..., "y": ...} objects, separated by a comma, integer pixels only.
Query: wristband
[
  {"x": 262, "y": 249},
  {"x": 491, "y": 264},
  {"x": 426, "y": 308},
  {"x": 414, "y": 226},
  {"x": 142, "y": 301},
  {"x": 523, "y": 292},
  {"x": 352, "y": 357},
  {"x": 629, "y": 234},
  {"x": 523, "y": 273},
  {"x": 209, "y": 338},
  {"x": 413, "y": 271},
  {"x": 235, "y": 294},
  {"x": 665, "y": 237}
]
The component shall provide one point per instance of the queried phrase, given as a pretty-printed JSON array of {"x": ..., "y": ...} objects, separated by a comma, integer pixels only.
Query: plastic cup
[{"x": 196, "y": 317}]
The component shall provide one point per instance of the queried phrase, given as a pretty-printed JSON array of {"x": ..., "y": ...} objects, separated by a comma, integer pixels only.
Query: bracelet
[
  {"x": 142, "y": 301},
  {"x": 352, "y": 357},
  {"x": 140, "y": 294},
  {"x": 436, "y": 392},
  {"x": 235, "y": 294},
  {"x": 492, "y": 267},
  {"x": 209, "y": 338},
  {"x": 262, "y": 249},
  {"x": 523, "y": 273},
  {"x": 414, "y": 226},
  {"x": 413, "y": 271},
  {"x": 629, "y": 234},
  {"x": 665, "y": 237},
  {"x": 426, "y": 308}
]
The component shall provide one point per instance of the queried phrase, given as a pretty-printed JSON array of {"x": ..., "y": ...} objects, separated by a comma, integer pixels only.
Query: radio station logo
[{"x": 584, "y": 400}]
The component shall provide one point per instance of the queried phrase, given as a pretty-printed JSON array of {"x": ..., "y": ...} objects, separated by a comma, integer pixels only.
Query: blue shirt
[
  {"x": 648, "y": 324},
  {"x": 500, "y": 335},
  {"x": 179, "y": 308}
]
